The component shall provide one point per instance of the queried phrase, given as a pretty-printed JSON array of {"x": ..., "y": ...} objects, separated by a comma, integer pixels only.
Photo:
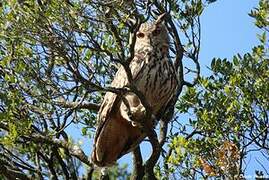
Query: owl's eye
[
  {"x": 156, "y": 32},
  {"x": 140, "y": 35}
]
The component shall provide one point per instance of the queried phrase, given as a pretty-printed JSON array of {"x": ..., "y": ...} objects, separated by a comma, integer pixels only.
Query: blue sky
[{"x": 226, "y": 30}]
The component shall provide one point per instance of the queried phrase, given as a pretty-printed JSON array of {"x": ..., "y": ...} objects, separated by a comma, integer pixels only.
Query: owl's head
[{"x": 152, "y": 36}]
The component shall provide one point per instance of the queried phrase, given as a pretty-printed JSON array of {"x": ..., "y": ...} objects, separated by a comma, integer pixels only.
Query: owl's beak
[{"x": 161, "y": 18}]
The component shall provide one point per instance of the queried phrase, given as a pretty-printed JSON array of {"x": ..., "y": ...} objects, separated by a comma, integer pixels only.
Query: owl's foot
[{"x": 137, "y": 114}]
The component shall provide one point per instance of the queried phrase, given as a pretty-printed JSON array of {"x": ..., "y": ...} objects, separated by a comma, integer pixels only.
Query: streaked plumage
[{"x": 154, "y": 76}]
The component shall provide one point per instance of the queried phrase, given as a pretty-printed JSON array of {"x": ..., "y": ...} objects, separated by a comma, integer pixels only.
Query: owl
[{"x": 154, "y": 76}]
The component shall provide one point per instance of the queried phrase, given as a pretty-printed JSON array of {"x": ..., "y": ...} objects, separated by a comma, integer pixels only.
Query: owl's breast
[{"x": 157, "y": 82}]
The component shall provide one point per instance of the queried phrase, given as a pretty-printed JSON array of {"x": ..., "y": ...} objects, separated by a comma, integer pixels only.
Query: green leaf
[{"x": 84, "y": 131}]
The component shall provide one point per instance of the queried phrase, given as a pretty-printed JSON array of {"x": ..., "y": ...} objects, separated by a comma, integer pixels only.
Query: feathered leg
[{"x": 115, "y": 139}]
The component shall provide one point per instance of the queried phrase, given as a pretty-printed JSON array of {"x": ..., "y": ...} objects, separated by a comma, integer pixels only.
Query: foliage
[
  {"x": 116, "y": 172},
  {"x": 229, "y": 113},
  {"x": 57, "y": 59}
]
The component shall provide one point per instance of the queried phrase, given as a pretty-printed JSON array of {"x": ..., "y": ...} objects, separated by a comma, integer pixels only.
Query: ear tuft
[{"x": 161, "y": 18}]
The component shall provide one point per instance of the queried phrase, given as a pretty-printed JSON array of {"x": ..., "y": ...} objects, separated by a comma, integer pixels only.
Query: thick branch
[
  {"x": 138, "y": 171},
  {"x": 156, "y": 150}
]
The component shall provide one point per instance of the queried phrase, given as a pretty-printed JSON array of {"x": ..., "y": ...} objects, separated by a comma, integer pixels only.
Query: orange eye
[
  {"x": 140, "y": 35},
  {"x": 156, "y": 32}
]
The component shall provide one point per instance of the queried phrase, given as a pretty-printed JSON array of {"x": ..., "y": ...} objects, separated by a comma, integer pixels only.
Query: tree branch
[
  {"x": 138, "y": 170},
  {"x": 77, "y": 105},
  {"x": 11, "y": 173},
  {"x": 73, "y": 149}
]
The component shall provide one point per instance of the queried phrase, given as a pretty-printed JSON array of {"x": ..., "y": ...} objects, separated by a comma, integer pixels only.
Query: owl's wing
[{"x": 111, "y": 99}]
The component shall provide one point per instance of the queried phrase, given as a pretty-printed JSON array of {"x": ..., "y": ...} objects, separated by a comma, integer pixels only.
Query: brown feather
[
  {"x": 115, "y": 139},
  {"x": 154, "y": 76}
]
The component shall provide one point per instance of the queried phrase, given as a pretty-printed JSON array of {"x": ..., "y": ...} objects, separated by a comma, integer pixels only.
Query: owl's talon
[
  {"x": 135, "y": 124},
  {"x": 129, "y": 113},
  {"x": 143, "y": 110}
]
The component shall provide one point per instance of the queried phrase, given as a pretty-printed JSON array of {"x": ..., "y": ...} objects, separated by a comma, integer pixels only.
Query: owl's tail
[{"x": 116, "y": 138}]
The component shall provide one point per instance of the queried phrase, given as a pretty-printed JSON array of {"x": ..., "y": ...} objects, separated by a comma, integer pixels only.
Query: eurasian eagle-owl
[{"x": 154, "y": 76}]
